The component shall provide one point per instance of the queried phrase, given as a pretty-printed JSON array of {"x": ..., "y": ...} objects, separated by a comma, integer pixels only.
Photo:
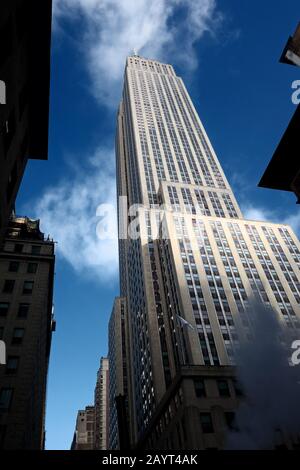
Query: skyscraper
[
  {"x": 186, "y": 291},
  {"x": 26, "y": 326},
  {"x": 118, "y": 375},
  {"x": 101, "y": 406},
  {"x": 84, "y": 432}
]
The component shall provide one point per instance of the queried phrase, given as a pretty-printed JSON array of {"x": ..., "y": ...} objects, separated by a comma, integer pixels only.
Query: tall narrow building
[
  {"x": 83, "y": 438},
  {"x": 187, "y": 291},
  {"x": 26, "y": 326},
  {"x": 118, "y": 376},
  {"x": 101, "y": 406}
]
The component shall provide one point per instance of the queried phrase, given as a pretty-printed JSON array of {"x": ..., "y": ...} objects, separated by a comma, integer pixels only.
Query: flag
[{"x": 184, "y": 322}]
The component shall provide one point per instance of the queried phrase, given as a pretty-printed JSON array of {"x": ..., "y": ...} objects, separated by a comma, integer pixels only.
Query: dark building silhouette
[
  {"x": 25, "y": 36},
  {"x": 283, "y": 171},
  {"x": 26, "y": 325}
]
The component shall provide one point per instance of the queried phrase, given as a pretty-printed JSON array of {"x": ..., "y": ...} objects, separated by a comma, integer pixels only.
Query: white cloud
[
  {"x": 108, "y": 31},
  {"x": 68, "y": 213},
  {"x": 257, "y": 213},
  {"x": 294, "y": 221},
  {"x": 251, "y": 212},
  {"x": 113, "y": 28}
]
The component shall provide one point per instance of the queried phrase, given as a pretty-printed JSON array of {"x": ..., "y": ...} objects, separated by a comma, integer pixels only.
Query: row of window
[
  {"x": 17, "y": 337},
  {"x": 202, "y": 203},
  {"x": 207, "y": 422},
  {"x": 14, "y": 267},
  {"x": 12, "y": 364},
  {"x": 23, "y": 309},
  {"x": 222, "y": 384},
  {"x": 9, "y": 285},
  {"x": 19, "y": 248}
]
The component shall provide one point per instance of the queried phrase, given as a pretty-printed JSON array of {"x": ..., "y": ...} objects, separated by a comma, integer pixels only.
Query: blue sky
[{"x": 227, "y": 53}]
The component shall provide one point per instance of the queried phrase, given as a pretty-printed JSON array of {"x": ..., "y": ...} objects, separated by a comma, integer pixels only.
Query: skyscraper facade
[
  {"x": 83, "y": 438},
  {"x": 101, "y": 406},
  {"x": 187, "y": 272},
  {"x": 118, "y": 374}
]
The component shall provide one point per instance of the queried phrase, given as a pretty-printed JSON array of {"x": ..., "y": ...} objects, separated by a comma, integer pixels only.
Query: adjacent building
[
  {"x": 25, "y": 36},
  {"x": 291, "y": 53},
  {"x": 118, "y": 348},
  {"x": 283, "y": 171},
  {"x": 26, "y": 326},
  {"x": 84, "y": 433},
  {"x": 188, "y": 272},
  {"x": 101, "y": 406}
]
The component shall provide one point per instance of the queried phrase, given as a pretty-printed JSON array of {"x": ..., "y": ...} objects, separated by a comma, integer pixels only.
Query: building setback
[
  {"x": 102, "y": 406},
  {"x": 84, "y": 433},
  {"x": 25, "y": 36},
  {"x": 26, "y": 325},
  {"x": 187, "y": 292}
]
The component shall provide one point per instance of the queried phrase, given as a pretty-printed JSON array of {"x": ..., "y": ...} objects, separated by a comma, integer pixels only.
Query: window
[
  {"x": 4, "y": 306},
  {"x": 28, "y": 287},
  {"x": 5, "y": 398},
  {"x": 18, "y": 335},
  {"x": 35, "y": 249},
  {"x": 32, "y": 267},
  {"x": 23, "y": 310},
  {"x": 223, "y": 388},
  {"x": 206, "y": 423},
  {"x": 199, "y": 388},
  {"x": 12, "y": 364},
  {"x": 9, "y": 285},
  {"x": 13, "y": 266},
  {"x": 18, "y": 248}
]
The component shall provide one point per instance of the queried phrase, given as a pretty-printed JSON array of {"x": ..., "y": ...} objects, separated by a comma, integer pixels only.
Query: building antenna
[{"x": 135, "y": 52}]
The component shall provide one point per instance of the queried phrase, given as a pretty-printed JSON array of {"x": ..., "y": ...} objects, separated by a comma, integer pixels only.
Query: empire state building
[{"x": 183, "y": 305}]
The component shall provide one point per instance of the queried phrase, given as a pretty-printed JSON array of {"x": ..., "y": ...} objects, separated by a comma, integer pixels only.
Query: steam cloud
[{"x": 270, "y": 411}]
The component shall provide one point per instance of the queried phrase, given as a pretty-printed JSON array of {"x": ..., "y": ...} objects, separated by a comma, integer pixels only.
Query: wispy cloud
[
  {"x": 245, "y": 187},
  {"x": 68, "y": 213},
  {"x": 113, "y": 28},
  {"x": 106, "y": 32},
  {"x": 251, "y": 212},
  {"x": 261, "y": 213}
]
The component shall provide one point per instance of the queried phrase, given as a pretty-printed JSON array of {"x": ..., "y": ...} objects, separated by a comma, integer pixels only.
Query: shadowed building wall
[
  {"x": 26, "y": 325},
  {"x": 25, "y": 36}
]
